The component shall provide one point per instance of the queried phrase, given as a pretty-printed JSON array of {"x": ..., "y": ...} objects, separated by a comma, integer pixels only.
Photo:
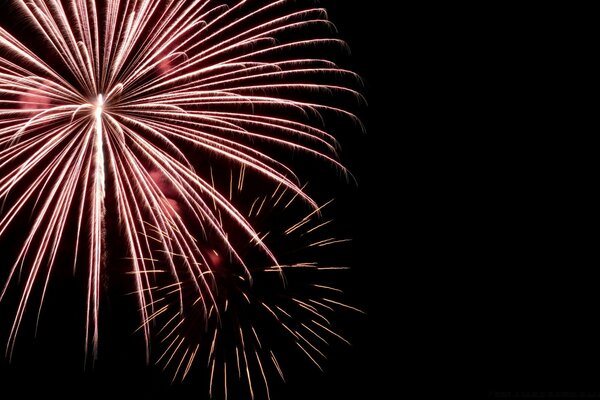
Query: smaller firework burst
[{"x": 255, "y": 327}]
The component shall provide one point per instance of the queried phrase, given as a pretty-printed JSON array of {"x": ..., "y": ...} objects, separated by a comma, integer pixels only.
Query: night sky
[{"x": 53, "y": 362}]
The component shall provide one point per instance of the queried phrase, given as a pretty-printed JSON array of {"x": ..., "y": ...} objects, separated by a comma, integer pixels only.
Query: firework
[
  {"x": 250, "y": 326},
  {"x": 139, "y": 109}
]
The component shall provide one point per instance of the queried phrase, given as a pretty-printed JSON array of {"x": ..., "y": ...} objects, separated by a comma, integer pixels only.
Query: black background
[{"x": 53, "y": 364}]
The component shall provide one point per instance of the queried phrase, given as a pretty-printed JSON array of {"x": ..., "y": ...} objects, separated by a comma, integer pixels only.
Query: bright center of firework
[
  {"x": 99, "y": 149},
  {"x": 99, "y": 107}
]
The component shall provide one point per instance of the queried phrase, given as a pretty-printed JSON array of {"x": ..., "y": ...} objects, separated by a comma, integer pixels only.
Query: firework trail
[{"x": 139, "y": 108}]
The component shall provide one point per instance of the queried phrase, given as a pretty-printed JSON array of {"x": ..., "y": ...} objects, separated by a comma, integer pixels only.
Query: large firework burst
[{"x": 141, "y": 110}]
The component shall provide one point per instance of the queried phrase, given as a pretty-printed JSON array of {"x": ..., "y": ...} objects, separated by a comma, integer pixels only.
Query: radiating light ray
[{"x": 338, "y": 303}]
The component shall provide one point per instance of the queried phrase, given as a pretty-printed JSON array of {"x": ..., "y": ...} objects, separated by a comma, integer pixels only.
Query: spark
[{"x": 344, "y": 305}]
